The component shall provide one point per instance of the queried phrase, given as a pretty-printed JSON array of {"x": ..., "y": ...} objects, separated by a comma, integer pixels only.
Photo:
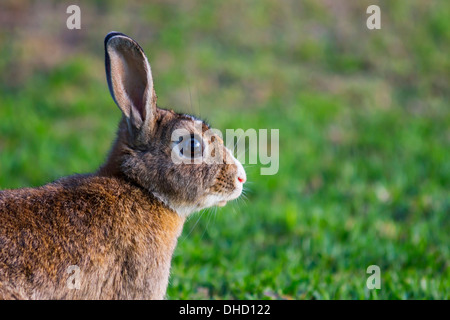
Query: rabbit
[{"x": 111, "y": 234}]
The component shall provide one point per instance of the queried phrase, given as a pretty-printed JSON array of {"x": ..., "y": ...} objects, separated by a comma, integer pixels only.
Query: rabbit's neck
[
  {"x": 147, "y": 253},
  {"x": 138, "y": 249}
]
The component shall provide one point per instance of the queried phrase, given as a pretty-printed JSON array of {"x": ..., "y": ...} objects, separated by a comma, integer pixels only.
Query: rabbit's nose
[{"x": 241, "y": 176}]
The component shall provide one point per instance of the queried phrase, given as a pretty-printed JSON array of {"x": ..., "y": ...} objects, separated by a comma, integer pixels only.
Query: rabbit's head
[{"x": 174, "y": 156}]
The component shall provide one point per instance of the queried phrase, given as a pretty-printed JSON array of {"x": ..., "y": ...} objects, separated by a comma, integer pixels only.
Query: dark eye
[{"x": 191, "y": 146}]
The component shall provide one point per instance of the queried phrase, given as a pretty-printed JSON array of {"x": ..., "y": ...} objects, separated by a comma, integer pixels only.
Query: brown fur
[
  {"x": 120, "y": 225},
  {"x": 119, "y": 236}
]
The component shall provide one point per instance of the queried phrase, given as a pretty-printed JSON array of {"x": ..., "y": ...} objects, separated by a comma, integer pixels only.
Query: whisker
[
  {"x": 200, "y": 216},
  {"x": 191, "y": 107},
  {"x": 207, "y": 223},
  {"x": 198, "y": 102}
]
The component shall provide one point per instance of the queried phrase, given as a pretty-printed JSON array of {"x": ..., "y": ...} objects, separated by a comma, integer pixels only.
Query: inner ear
[
  {"x": 133, "y": 78},
  {"x": 130, "y": 80}
]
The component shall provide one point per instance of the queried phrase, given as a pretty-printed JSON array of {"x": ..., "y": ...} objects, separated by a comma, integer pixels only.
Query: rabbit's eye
[{"x": 191, "y": 146}]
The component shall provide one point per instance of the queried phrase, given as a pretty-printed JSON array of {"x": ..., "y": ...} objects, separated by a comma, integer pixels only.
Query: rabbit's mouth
[
  {"x": 222, "y": 203},
  {"x": 233, "y": 196},
  {"x": 221, "y": 199}
]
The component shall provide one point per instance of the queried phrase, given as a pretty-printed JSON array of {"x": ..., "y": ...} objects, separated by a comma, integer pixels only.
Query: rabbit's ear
[{"x": 130, "y": 80}]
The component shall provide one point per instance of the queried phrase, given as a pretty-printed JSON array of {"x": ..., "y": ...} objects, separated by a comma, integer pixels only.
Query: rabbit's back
[{"x": 118, "y": 236}]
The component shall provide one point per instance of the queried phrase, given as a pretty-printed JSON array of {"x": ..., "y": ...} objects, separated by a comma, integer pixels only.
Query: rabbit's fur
[{"x": 120, "y": 225}]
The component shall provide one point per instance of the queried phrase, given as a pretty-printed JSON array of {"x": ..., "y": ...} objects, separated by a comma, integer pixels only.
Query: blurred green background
[{"x": 364, "y": 132}]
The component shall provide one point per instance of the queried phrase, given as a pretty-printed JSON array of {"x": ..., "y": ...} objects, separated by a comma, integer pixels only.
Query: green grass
[{"x": 364, "y": 137}]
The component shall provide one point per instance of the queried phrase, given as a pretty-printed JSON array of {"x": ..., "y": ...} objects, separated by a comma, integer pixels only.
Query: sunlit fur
[{"x": 120, "y": 224}]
